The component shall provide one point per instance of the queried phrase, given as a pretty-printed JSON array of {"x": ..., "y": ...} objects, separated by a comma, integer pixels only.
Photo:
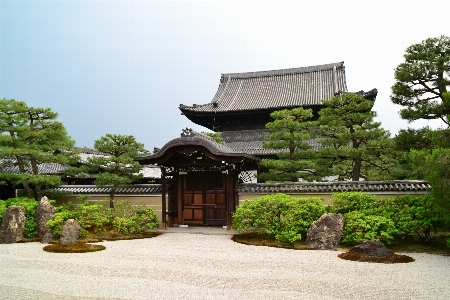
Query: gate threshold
[{"x": 208, "y": 230}]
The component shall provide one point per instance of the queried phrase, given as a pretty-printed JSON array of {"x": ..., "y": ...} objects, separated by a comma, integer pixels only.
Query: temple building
[
  {"x": 201, "y": 176},
  {"x": 243, "y": 103}
]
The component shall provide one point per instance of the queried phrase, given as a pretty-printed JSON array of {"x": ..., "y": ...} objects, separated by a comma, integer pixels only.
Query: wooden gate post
[{"x": 163, "y": 185}]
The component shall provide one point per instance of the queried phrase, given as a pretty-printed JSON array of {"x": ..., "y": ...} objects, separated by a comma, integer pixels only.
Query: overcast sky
[{"x": 123, "y": 67}]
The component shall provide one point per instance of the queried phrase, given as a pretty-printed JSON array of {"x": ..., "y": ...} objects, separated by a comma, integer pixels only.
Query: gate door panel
[
  {"x": 192, "y": 203},
  {"x": 215, "y": 208},
  {"x": 204, "y": 199}
]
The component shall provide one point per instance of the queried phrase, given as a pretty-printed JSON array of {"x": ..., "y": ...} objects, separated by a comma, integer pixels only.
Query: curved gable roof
[
  {"x": 191, "y": 139},
  {"x": 306, "y": 86}
]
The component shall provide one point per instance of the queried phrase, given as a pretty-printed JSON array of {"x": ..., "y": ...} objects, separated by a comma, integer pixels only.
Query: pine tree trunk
[
  {"x": 27, "y": 189},
  {"x": 111, "y": 197},
  {"x": 35, "y": 171},
  {"x": 356, "y": 172},
  {"x": 25, "y": 184},
  {"x": 38, "y": 191}
]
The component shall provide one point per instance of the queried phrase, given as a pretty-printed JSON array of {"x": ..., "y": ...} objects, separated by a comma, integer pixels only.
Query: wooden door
[{"x": 204, "y": 199}]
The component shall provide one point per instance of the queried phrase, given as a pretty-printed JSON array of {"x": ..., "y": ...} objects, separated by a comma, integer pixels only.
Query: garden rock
[
  {"x": 13, "y": 225},
  {"x": 48, "y": 237},
  {"x": 44, "y": 213},
  {"x": 372, "y": 248},
  {"x": 70, "y": 232},
  {"x": 326, "y": 232}
]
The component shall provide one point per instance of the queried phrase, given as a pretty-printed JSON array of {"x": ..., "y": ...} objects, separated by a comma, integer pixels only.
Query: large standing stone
[
  {"x": 372, "y": 248},
  {"x": 326, "y": 232},
  {"x": 44, "y": 213},
  {"x": 13, "y": 225},
  {"x": 70, "y": 233},
  {"x": 48, "y": 237}
]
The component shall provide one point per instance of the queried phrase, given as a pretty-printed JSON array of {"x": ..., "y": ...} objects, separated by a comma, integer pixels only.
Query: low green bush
[
  {"x": 138, "y": 222},
  {"x": 352, "y": 201},
  {"x": 92, "y": 217},
  {"x": 285, "y": 217},
  {"x": 370, "y": 217},
  {"x": 98, "y": 217},
  {"x": 368, "y": 224},
  {"x": 416, "y": 216}
]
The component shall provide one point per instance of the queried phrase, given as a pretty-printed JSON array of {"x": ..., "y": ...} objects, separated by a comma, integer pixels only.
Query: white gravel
[{"x": 198, "y": 266}]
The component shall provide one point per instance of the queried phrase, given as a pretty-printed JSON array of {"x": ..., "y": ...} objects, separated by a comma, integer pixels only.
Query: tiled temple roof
[
  {"x": 250, "y": 141},
  {"x": 46, "y": 168},
  {"x": 150, "y": 171},
  {"x": 129, "y": 189},
  {"x": 306, "y": 86},
  {"x": 339, "y": 186}
]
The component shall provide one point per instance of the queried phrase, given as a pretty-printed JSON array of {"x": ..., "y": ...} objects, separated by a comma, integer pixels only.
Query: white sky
[{"x": 123, "y": 67}]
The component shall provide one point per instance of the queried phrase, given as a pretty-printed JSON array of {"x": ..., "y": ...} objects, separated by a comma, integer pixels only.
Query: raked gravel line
[{"x": 198, "y": 266}]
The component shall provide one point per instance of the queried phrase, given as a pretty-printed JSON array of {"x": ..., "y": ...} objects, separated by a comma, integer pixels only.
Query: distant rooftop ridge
[{"x": 289, "y": 71}]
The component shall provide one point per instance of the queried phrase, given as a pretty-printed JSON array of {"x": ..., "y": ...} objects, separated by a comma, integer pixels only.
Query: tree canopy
[
  {"x": 422, "y": 81},
  {"x": 353, "y": 145},
  {"x": 290, "y": 131},
  {"x": 117, "y": 167},
  {"x": 31, "y": 137}
]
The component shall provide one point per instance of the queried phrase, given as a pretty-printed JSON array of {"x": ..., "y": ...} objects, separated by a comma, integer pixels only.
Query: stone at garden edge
[
  {"x": 372, "y": 248},
  {"x": 70, "y": 233},
  {"x": 13, "y": 225},
  {"x": 326, "y": 232},
  {"x": 44, "y": 213}
]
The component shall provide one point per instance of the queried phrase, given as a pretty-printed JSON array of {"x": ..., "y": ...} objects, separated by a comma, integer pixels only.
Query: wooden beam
[{"x": 163, "y": 185}]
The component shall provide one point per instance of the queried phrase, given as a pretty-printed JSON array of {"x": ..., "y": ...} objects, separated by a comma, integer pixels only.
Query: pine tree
[
  {"x": 31, "y": 137},
  {"x": 290, "y": 131},
  {"x": 118, "y": 166},
  {"x": 423, "y": 79},
  {"x": 353, "y": 145}
]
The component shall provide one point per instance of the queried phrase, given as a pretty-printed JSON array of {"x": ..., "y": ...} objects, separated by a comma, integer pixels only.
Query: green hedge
[
  {"x": 366, "y": 216},
  {"x": 383, "y": 219},
  {"x": 98, "y": 217},
  {"x": 286, "y": 217}
]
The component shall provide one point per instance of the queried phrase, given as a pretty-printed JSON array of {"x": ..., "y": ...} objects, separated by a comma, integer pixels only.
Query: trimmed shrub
[
  {"x": 139, "y": 221},
  {"x": 285, "y": 217},
  {"x": 98, "y": 217},
  {"x": 352, "y": 201},
  {"x": 382, "y": 219},
  {"x": 416, "y": 216},
  {"x": 92, "y": 217},
  {"x": 368, "y": 224}
]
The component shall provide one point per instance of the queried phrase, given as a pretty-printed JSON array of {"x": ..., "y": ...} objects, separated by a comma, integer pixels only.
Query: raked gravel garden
[{"x": 192, "y": 265}]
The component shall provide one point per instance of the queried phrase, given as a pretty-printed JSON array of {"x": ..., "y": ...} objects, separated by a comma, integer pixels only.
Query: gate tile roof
[
  {"x": 339, "y": 186},
  {"x": 129, "y": 189}
]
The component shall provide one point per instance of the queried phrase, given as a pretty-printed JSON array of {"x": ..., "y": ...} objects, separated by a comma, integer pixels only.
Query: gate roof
[{"x": 193, "y": 148}]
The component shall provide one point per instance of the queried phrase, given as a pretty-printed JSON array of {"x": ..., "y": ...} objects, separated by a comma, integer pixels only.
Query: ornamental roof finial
[{"x": 188, "y": 132}]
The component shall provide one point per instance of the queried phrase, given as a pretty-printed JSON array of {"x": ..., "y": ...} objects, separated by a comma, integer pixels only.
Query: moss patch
[
  {"x": 74, "y": 248},
  {"x": 392, "y": 259},
  {"x": 263, "y": 239},
  {"x": 117, "y": 236}
]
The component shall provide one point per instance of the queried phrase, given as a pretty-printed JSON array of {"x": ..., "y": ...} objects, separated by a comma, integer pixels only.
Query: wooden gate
[{"x": 204, "y": 199}]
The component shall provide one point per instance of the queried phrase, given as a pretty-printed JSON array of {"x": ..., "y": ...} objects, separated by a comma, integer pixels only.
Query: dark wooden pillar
[
  {"x": 163, "y": 202},
  {"x": 258, "y": 171},
  {"x": 230, "y": 183}
]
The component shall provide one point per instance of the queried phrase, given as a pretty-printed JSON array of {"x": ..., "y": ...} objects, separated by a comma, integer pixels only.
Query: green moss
[{"x": 74, "y": 248}]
